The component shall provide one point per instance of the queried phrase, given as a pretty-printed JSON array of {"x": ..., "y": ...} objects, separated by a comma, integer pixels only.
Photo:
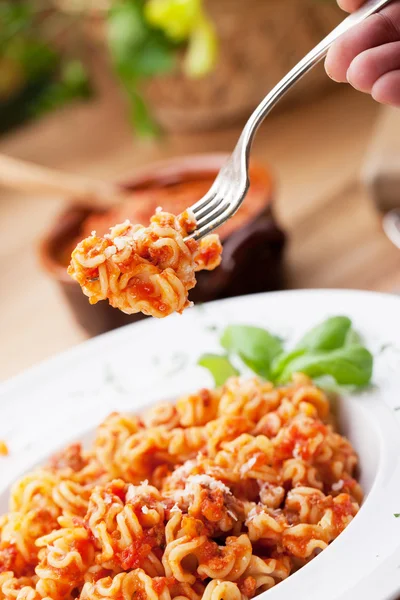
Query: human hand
[{"x": 368, "y": 56}]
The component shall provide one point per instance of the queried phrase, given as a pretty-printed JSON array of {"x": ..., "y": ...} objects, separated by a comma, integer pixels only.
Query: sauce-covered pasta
[
  {"x": 219, "y": 496},
  {"x": 144, "y": 269}
]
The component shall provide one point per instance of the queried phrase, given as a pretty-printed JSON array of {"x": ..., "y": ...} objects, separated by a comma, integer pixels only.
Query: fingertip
[
  {"x": 333, "y": 65},
  {"x": 358, "y": 75},
  {"x": 350, "y": 5},
  {"x": 386, "y": 90},
  {"x": 343, "y": 4}
]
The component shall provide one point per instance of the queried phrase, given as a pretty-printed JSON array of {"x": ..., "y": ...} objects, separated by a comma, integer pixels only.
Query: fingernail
[{"x": 328, "y": 72}]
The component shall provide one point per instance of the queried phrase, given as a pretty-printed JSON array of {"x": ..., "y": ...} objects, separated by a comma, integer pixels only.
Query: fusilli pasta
[
  {"x": 221, "y": 495},
  {"x": 144, "y": 269}
]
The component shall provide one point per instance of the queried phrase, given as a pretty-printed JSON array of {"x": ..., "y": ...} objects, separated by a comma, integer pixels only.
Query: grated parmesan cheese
[
  {"x": 145, "y": 510},
  {"x": 210, "y": 482},
  {"x": 131, "y": 493},
  {"x": 248, "y": 465},
  {"x": 184, "y": 470},
  {"x": 232, "y": 514},
  {"x": 110, "y": 251},
  {"x": 190, "y": 487},
  {"x": 253, "y": 513},
  {"x": 175, "y": 508},
  {"x": 296, "y": 452},
  {"x": 336, "y": 487},
  {"x": 121, "y": 242}
]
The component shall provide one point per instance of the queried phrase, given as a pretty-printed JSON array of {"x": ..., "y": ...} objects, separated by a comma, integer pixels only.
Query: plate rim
[{"x": 36, "y": 368}]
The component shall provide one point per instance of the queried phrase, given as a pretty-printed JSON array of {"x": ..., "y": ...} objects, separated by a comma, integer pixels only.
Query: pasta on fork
[{"x": 145, "y": 269}]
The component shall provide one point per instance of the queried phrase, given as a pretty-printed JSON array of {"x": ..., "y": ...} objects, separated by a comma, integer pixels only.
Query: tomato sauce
[{"x": 132, "y": 556}]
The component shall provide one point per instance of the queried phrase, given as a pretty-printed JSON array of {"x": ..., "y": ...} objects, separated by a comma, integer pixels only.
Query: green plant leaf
[
  {"x": 282, "y": 360},
  {"x": 140, "y": 116},
  {"x": 351, "y": 365},
  {"x": 73, "y": 83},
  {"x": 256, "y": 347},
  {"x": 75, "y": 78},
  {"x": 201, "y": 55},
  {"x": 126, "y": 30},
  {"x": 136, "y": 48},
  {"x": 219, "y": 366},
  {"x": 177, "y": 18},
  {"x": 353, "y": 338},
  {"x": 329, "y": 335},
  {"x": 139, "y": 51},
  {"x": 15, "y": 17},
  {"x": 397, "y": 515},
  {"x": 153, "y": 58}
]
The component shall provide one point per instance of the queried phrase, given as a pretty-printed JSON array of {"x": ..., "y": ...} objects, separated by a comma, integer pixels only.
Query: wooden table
[{"x": 315, "y": 151}]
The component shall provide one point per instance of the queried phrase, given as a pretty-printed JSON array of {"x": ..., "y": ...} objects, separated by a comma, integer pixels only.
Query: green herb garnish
[
  {"x": 219, "y": 366},
  {"x": 329, "y": 335},
  {"x": 332, "y": 350},
  {"x": 348, "y": 366},
  {"x": 256, "y": 347}
]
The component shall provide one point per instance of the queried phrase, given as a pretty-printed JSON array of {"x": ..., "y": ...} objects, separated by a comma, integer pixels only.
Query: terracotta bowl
[{"x": 253, "y": 242}]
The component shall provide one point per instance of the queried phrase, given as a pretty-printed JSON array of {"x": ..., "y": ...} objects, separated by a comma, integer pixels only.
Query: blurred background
[{"x": 147, "y": 96}]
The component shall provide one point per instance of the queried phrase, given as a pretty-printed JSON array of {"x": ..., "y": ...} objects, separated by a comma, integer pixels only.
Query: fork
[{"x": 232, "y": 183}]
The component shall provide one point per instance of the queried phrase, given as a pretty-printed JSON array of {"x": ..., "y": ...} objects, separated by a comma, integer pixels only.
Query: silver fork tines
[{"x": 230, "y": 187}]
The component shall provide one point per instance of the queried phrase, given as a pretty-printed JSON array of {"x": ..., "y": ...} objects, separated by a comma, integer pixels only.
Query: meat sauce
[{"x": 133, "y": 556}]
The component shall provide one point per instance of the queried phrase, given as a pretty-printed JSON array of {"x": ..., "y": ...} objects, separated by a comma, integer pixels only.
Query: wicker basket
[{"x": 260, "y": 40}]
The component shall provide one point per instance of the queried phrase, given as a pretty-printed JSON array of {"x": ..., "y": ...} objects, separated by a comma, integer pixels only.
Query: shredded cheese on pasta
[
  {"x": 219, "y": 503},
  {"x": 144, "y": 269}
]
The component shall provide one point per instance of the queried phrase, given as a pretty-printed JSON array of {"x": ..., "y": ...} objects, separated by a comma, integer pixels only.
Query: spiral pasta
[
  {"x": 221, "y": 495},
  {"x": 144, "y": 269}
]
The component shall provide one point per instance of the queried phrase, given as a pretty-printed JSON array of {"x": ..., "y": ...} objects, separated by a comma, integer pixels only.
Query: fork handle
[{"x": 306, "y": 64}]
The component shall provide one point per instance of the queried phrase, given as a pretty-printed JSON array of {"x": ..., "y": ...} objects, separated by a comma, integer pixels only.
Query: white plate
[{"x": 129, "y": 368}]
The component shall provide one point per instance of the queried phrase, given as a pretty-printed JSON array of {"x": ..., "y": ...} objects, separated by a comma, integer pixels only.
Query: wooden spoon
[{"x": 33, "y": 179}]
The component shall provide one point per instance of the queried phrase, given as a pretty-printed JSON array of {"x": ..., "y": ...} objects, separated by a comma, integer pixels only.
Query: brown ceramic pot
[{"x": 253, "y": 242}]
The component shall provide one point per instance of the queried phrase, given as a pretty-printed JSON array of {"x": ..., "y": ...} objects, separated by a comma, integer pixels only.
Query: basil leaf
[
  {"x": 329, "y": 335},
  {"x": 397, "y": 515},
  {"x": 280, "y": 362},
  {"x": 219, "y": 366},
  {"x": 353, "y": 338},
  {"x": 350, "y": 365},
  {"x": 256, "y": 347}
]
